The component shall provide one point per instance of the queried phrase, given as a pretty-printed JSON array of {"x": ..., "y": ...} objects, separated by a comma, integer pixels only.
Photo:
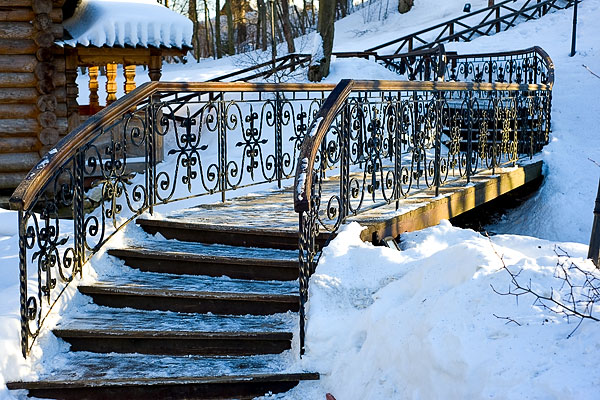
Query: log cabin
[{"x": 45, "y": 44}]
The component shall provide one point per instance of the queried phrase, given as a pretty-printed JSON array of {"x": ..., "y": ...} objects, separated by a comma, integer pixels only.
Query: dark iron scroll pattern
[
  {"x": 166, "y": 142},
  {"x": 382, "y": 145},
  {"x": 155, "y": 152}
]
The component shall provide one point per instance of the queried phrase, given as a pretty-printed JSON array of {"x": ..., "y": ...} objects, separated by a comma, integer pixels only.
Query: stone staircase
[{"x": 206, "y": 318}]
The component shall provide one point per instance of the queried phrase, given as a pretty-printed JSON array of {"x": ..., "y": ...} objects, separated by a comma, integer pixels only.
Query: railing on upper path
[
  {"x": 496, "y": 18},
  {"x": 383, "y": 140},
  {"x": 165, "y": 142}
]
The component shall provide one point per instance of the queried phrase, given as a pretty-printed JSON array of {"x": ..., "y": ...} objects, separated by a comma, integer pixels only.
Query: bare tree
[
  {"x": 321, "y": 57},
  {"x": 576, "y": 292},
  {"x": 193, "y": 15},
  {"x": 287, "y": 29}
]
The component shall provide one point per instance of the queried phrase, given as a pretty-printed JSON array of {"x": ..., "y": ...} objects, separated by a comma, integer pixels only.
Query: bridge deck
[{"x": 274, "y": 211}]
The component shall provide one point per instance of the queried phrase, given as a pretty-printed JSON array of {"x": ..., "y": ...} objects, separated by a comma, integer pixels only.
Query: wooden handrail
[{"x": 35, "y": 180}]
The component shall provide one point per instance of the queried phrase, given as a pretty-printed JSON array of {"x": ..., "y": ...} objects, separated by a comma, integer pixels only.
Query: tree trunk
[
  {"x": 193, "y": 15},
  {"x": 287, "y": 28},
  {"x": 262, "y": 16},
  {"x": 321, "y": 58},
  {"x": 218, "y": 28},
  {"x": 404, "y": 6},
  {"x": 230, "y": 38}
]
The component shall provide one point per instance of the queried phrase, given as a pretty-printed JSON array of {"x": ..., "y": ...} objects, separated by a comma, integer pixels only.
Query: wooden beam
[
  {"x": 17, "y": 63},
  {"x": 17, "y": 46},
  {"x": 18, "y": 126},
  {"x": 19, "y": 144},
  {"x": 18, "y": 96},
  {"x": 10, "y": 180},
  {"x": 16, "y": 30},
  {"x": 26, "y": 15},
  {"x": 8, "y": 111},
  {"x": 15, "y": 162},
  {"x": 456, "y": 201}
]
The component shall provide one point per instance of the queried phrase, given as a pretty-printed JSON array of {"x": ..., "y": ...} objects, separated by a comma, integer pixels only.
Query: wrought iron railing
[
  {"x": 496, "y": 18},
  {"x": 139, "y": 153},
  {"x": 380, "y": 141},
  {"x": 166, "y": 142}
]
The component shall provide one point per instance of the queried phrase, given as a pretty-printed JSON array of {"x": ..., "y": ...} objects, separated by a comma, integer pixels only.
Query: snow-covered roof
[{"x": 121, "y": 23}]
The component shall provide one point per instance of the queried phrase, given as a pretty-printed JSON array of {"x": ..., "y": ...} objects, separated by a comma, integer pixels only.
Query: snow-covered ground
[{"x": 421, "y": 323}]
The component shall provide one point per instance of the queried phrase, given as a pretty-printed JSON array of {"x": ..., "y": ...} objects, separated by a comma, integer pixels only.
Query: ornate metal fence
[
  {"x": 380, "y": 141},
  {"x": 490, "y": 20},
  {"x": 166, "y": 142},
  {"x": 146, "y": 150}
]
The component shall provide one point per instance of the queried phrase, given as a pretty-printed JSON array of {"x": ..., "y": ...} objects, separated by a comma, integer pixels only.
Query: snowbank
[
  {"x": 421, "y": 324},
  {"x": 121, "y": 23}
]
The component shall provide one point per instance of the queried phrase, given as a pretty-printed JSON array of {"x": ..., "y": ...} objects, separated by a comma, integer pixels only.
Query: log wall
[{"x": 33, "y": 109}]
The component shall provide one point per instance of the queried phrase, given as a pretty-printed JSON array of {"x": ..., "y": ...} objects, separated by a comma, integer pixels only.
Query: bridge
[{"x": 201, "y": 305}]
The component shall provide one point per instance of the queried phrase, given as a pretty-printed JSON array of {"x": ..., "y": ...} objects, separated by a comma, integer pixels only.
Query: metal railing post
[
  {"x": 23, "y": 285},
  {"x": 278, "y": 141},
  {"x": 594, "y": 249}
]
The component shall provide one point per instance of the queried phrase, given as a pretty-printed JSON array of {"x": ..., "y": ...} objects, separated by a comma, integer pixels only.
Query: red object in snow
[{"x": 329, "y": 396}]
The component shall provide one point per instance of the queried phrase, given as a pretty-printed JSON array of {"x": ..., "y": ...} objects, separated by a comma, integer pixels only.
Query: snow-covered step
[
  {"x": 153, "y": 332},
  {"x": 134, "y": 376},
  {"x": 97, "y": 317},
  {"x": 194, "y": 294},
  {"x": 233, "y": 235},
  {"x": 175, "y": 257}
]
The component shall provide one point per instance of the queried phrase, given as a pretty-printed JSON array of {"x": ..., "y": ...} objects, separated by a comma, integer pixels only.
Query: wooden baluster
[
  {"x": 111, "y": 83},
  {"x": 93, "y": 85},
  {"x": 129, "y": 74},
  {"x": 154, "y": 69}
]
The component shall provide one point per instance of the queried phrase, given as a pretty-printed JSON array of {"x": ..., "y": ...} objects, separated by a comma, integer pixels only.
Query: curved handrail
[
  {"x": 68, "y": 145},
  {"x": 392, "y": 136},
  {"x": 339, "y": 95}
]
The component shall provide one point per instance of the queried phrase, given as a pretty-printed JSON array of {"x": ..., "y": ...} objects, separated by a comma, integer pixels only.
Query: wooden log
[
  {"x": 27, "y": 14},
  {"x": 18, "y": 127},
  {"x": 42, "y": 22},
  {"x": 14, "y": 162},
  {"x": 17, "y": 46},
  {"x": 15, "y": 3},
  {"x": 44, "y": 54},
  {"x": 17, "y": 80},
  {"x": 47, "y": 119},
  {"x": 59, "y": 64},
  {"x": 16, "y": 30},
  {"x": 49, "y": 136},
  {"x": 57, "y": 31},
  {"x": 18, "y": 63},
  {"x": 9, "y": 111},
  {"x": 44, "y": 39},
  {"x": 42, "y": 6},
  {"x": 45, "y": 86},
  {"x": 18, "y": 96},
  {"x": 11, "y": 180},
  {"x": 44, "y": 70},
  {"x": 61, "y": 110},
  {"x": 19, "y": 144},
  {"x": 47, "y": 103}
]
